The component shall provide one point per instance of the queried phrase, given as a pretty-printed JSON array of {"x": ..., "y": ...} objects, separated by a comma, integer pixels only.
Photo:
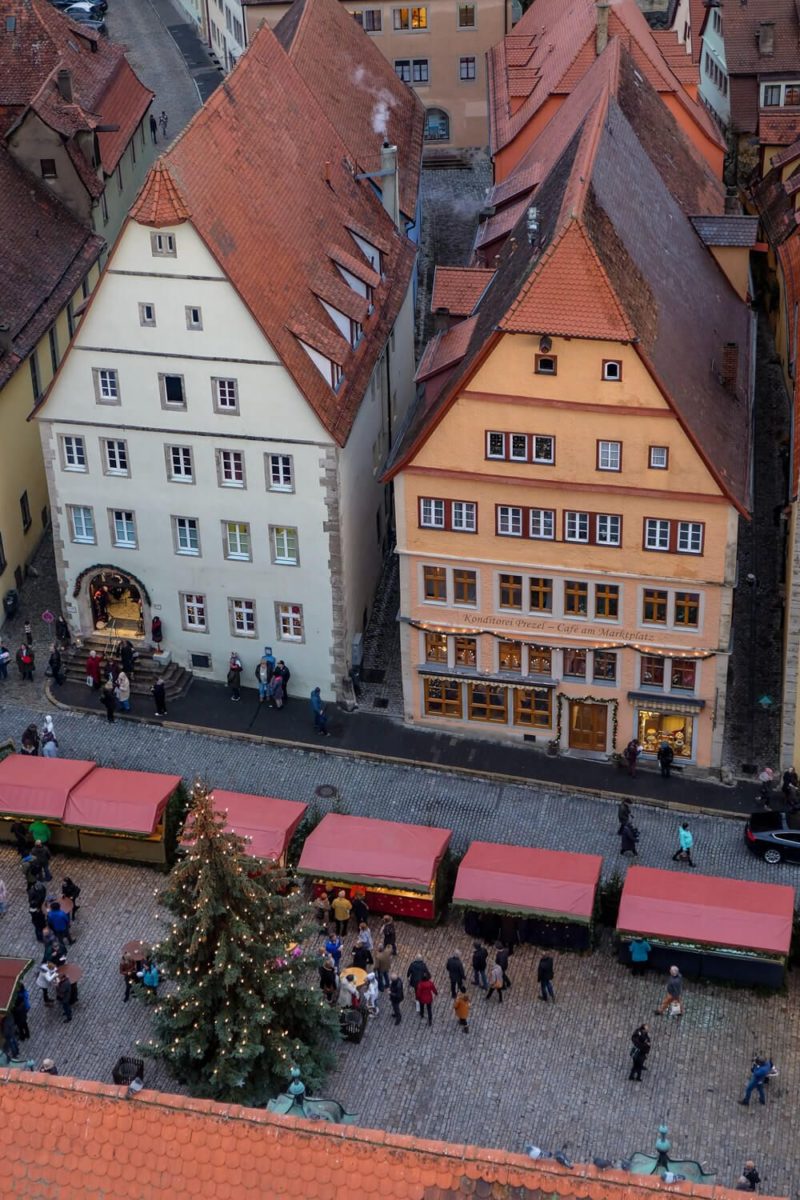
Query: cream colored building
[
  {"x": 215, "y": 435},
  {"x": 438, "y": 49}
]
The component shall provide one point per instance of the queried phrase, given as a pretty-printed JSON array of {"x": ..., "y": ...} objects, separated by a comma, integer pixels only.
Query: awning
[
  {"x": 11, "y": 971},
  {"x": 39, "y": 787},
  {"x": 387, "y": 853},
  {"x": 528, "y": 880},
  {"x": 667, "y": 703},
  {"x": 124, "y": 801},
  {"x": 707, "y": 909},
  {"x": 267, "y": 821}
]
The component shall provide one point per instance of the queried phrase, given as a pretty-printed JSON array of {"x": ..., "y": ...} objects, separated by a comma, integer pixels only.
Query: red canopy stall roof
[
  {"x": 525, "y": 879},
  {"x": 11, "y": 971},
  {"x": 39, "y": 787},
  {"x": 266, "y": 820},
  {"x": 384, "y": 852},
  {"x": 708, "y": 909},
  {"x": 125, "y": 801}
]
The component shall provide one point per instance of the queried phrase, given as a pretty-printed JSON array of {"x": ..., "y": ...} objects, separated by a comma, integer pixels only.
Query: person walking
[
  {"x": 341, "y": 911},
  {"x": 758, "y": 1076},
  {"x": 674, "y": 994},
  {"x": 41, "y": 856},
  {"x": 665, "y": 756},
  {"x": 284, "y": 674},
  {"x": 38, "y": 919},
  {"x": 64, "y": 996},
  {"x": 495, "y": 982},
  {"x": 318, "y": 711},
  {"x": 49, "y": 740},
  {"x": 389, "y": 933},
  {"x": 749, "y": 1179},
  {"x": 461, "y": 1009},
  {"x": 29, "y": 742},
  {"x": 59, "y": 922},
  {"x": 328, "y": 978},
  {"x": 127, "y": 658},
  {"x": 501, "y": 958},
  {"x": 383, "y": 961},
  {"x": 639, "y": 950},
  {"x": 623, "y": 815},
  {"x": 5, "y": 659},
  {"x": 123, "y": 691},
  {"x": 371, "y": 994},
  {"x": 640, "y": 1049},
  {"x": 93, "y": 668},
  {"x": 544, "y": 976},
  {"x": 334, "y": 947},
  {"x": 417, "y": 971},
  {"x": 365, "y": 935},
  {"x": 235, "y": 675},
  {"x": 46, "y": 976},
  {"x": 685, "y": 843},
  {"x": 159, "y": 692},
  {"x": 396, "y": 996},
  {"x": 163, "y": 121},
  {"x": 153, "y": 130},
  {"x": 109, "y": 701},
  {"x": 479, "y": 960},
  {"x": 20, "y": 1010},
  {"x": 28, "y": 631},
  {"x": 425, "y": 991},
  {"x": 9, "y": 1033},
  {"x": 455, "y": 971},
  {"x": 631, "y": 755},
  {"x": 70, "y": 891},
  {"x": 628, "y": 839},
  {"x": 26, "y": 662},
  {"x": 55, "y": 665}
]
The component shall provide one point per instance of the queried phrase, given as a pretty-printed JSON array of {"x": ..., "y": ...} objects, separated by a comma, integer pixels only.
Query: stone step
[{"x": 177, "y": 680}]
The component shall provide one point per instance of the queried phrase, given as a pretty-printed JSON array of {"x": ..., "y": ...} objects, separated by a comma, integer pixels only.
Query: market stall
[
  {"x": 120, "y": 814},
  {"x": 11, "y": 972},
  {"x": 395, "y": 866},
  {"x": 707, "y": 925},
  {"x": 522, "y": 893},
  {"x": 32, "y": 787},
  {"x": 268, "y": 822}
]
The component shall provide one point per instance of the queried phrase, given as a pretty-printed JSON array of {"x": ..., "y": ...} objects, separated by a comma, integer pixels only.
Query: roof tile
[{"x": 458, "y": 289}]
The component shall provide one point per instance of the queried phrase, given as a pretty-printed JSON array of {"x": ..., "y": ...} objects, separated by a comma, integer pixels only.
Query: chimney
[
  {"x": 65, "y": 85},
  {"x": 730, "y": 365},
  {"x": 390, "y": 190},
  {"x": 601, "y": 33},
  {"x": 5, "y": 338},
  {"x": 766, "y": 39}
]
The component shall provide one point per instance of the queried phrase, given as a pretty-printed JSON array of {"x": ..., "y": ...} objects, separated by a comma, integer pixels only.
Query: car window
[{"x": 793, "y": 839}]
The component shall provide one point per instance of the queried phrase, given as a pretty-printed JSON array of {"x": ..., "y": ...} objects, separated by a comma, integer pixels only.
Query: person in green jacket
[{"x": 685, "y": 843}]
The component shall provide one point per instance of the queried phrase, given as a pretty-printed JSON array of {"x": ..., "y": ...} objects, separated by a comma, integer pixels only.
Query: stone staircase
[{"x": 177, "y": 680}]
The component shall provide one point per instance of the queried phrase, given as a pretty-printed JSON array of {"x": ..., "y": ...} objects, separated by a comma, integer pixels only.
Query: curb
[{"x": 417, "y": 764}]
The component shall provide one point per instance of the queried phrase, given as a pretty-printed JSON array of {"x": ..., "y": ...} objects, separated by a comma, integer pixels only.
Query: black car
[
  {"x": 774, "y": 836},
  {"x": 101, "y": 5},
  {"x": 84, "y": 16}
]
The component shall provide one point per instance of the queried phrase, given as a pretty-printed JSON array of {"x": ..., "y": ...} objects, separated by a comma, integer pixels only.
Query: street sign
[{"x": 48, "y": 617}]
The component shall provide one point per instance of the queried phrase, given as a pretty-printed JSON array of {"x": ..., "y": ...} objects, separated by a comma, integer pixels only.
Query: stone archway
[{"x": 112, "y": 599}]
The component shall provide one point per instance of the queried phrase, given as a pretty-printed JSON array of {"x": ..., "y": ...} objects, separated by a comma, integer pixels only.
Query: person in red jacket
[{"x": 425, "y": 991}]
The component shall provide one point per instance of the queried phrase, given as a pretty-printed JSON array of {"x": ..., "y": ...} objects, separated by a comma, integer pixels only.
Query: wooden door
[{"x": 587, "y": 725}]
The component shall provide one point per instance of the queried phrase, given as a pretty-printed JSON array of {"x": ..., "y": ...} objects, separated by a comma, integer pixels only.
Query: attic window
[
  {"x": 337, "y": 376},
  {"x": 356, "y": 333},
  {"x": 163, "y": 244},
  {"x": 612, "y": 370},
  {"x": 48, "y": 168},
  {"x": 370, "y": 252},
  {"x": 546, "y": 364}
]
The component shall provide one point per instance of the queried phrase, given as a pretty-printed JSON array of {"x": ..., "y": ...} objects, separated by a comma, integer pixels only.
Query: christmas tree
[{"x": 239, "y": 1004}]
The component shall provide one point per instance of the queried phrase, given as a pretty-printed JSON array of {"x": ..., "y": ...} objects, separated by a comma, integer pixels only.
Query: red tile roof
[
  {"x": 595, "y": 269},
  {"x": 46, "y": 254},
  {"x": 458, "y": 288},
  {"x": 552, "y": 47},
  {"x": 105, "y": 89},
  {"x": 697, "y": 16},
  {"x": 162, "y": 1145},
  {"x": 278, "y": 237},
  {"x": 445, "y": 349},
  {"x": 741, "y": 28},
  {"x": 357, "y": 88},
  {"x": 678, "y": 57},
  {"x": 779, "y": 129}
]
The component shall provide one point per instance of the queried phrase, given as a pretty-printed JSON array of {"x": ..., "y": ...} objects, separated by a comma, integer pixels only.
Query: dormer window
[
  {"x": 370, "y": 252},
  {"x": 337, "y": 375},
  {"x": 356, "y": 333},
  {"x": 612, "y": 370},
  {"x": 163, "y": 244},
  {"x": 546, "y": 364}
]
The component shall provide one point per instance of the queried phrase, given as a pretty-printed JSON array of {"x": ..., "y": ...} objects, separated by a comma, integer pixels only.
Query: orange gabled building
[
  {"x": 570, "y": 482},
  {"x": 548, "y": 52}
]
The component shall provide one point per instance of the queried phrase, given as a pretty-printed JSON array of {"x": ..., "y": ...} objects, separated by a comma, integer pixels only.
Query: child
[
  {"x": 461, "y": 1009},
  {"x": 371, "y": 994}
]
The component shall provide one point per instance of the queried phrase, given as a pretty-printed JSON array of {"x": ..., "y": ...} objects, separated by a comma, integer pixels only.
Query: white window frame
[
  {"x": 226, "y": 395},
  {"x": 464, "y": 516},
  {"x": 656, "y": 534},
  {"x": 612, "y": 370},
  {"x": 243, "y": 618},
  {"x": 542, "y": 524},
  {"x": 509, "y": 520},
  {"x": 609, "y": 456},
  {"x": 194, "y": 613},
  {"x": 87, "y": 534},
  {"x": 432, "y": 513},
  {"x": 289, "y": 624},
  {"x": 162, "y": 245},
  {"x": 186, "y": 533},
  {"x": 576, "y": 526},
  {"x": 119, "y": 519},
  {"x": 534, "y": 437},
  {"x": 689, "y": 539},
  {"x": 106, "y": 385},
  {"x": 73, "y": 453},
  {"x": 221, "y": 459},
  {"x": 490, "y": 433},
  {"x": 280, "y": 467},
  {"x": 608, "y": 529},
  {"x": 281, "y": 538},
  {"x": 115, "y": 453},
  {"x": 179, "y": 476},
  {"x": 653, "y": 452},
  {"x": 237, "y": 543},
  {"x": 194, "y": 317},
  {"x": 144, "y": 319}
]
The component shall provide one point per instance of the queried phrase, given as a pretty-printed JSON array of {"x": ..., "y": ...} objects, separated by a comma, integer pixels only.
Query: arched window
[{"x": 437, "y": 125}]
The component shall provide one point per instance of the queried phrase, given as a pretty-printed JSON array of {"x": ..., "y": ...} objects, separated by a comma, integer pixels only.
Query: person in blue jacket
[
  {"x": 758, "y": 1076},
  {"x": 318, "y": 709}
]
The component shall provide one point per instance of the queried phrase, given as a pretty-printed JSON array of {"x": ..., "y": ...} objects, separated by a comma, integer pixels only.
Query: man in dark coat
[
  {"x": 640, "y": 1039},
  {"x": 501, "y": 958},
  {"x": 455, "y": 971},
  {"x": 415, "y": 972},
  {"x": 628, "y": 840},
  {"x": 544, "y": 976},
  {"x": 396, "y": 996},
  {"x": 479, "y": 960},
  {"x": 623, "y": 815}
]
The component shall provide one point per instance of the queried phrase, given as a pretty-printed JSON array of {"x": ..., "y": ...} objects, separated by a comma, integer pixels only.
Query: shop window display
[{"x": 674, "y": 728}]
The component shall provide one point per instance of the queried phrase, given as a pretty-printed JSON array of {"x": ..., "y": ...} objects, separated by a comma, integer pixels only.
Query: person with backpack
[
  {"x": 396, "y": 996},
  {"x": 544, "y": 976},
  {"x": 665, "y": 756}
]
